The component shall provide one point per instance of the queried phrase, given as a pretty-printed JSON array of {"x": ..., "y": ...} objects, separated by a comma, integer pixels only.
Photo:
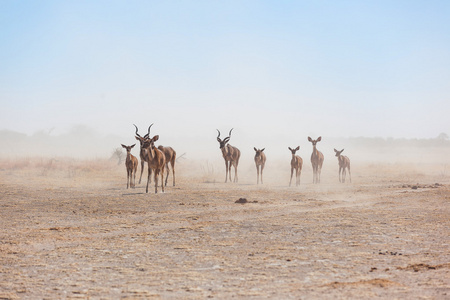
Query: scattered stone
[
  {"x": 421, "y": 186},
  {"x": 388, "y": 253},
  {"x": 241, "y": 200}
]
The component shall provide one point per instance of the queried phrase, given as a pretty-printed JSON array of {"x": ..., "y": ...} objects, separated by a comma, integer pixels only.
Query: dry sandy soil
[{"x": 71, "y": 231}]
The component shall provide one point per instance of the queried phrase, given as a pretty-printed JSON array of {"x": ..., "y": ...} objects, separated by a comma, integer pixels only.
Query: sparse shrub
[
  {"x": 118, "y": 154},
  {"x": 208, "y": 173}
]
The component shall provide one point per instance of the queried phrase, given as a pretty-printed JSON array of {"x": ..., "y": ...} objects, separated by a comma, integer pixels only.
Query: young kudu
[
  {"x": 171, "y": 156},
  {"x": 344, "y": 163},
  {"x": 316, "y": 160},
  {"x": 296, "y": 164},
  {"x": 230, "y": 155},
  {"x": 141, "y": 153},
  {"x": 260, "y": 161},
  {"x": 131, "y": 163}
]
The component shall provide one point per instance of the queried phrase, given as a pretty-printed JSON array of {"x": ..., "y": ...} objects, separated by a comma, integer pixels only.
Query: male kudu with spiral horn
[{"x": 230, "y": 154}]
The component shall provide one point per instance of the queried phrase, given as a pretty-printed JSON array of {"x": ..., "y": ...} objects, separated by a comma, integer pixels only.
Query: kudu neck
[{"x": 315, "y": 149}]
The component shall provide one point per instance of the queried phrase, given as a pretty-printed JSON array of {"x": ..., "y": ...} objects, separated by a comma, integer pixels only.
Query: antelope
[
  {"x": 170, "y": 155},
  {"x": 296, "y": 164},
  {"x": 141, "y": 154},
  {"x": 344, "y": 162},
  {"x": 260, "y": 161},
  {"x": 156, "y": 161},
  {"x": 316, "y": 160},
  {"x": 230, "y": 155},
  {"x": 131, "y": 164}
]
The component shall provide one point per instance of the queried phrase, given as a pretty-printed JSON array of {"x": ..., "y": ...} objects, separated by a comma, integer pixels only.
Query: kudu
[
  {"x": 156, "y": 161},
  {"x": 316, "y": 160},
  {"x": 141, "y": 153},
  {"x": 344, "y": 163},
  {"x": 171, "y": 156},
  {"x": 260, "y": 161},
  {"x": 296, "y": 164},
  {"x": 230, "y": 155},
  {"x": 131, "y": 163}
]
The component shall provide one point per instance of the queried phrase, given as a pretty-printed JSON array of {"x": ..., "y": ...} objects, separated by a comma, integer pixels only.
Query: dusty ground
[{"x": 73, "y": 232}]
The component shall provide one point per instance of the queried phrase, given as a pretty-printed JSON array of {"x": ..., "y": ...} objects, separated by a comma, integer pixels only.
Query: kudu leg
[
  {"x": 148, "y": 179},
  {"x": 226, "y": 171},
  {"x": 257, "y": 174},
  {"x": 350, "y": 175},
  {"x": 156, "y": 180},
  {"x": 340, "y": 169},
  {"x": 162, "y": 176},
  {"x": 173, "y": 173},
  {"x": 167, "y": 172},
  {"x": 262, "y": 169},
  {"x": 142, "y": 170},
  {"x": 292, "y": 173}
]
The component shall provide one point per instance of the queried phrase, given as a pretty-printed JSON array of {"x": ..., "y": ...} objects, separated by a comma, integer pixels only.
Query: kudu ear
[
  {"x": 138, "y": 138},
  {"x": 319, "y": 138},
  {"x": 263, "y": 149},
  {"x": 133, "y": 145},
  {"x": 335, "y": 150},
  {"x": 254, "y": 148},
  {"x": 290, "y": 148},
  {"x": 298, "y": 147},
  {"x": 124, "y": 146},
  {"x": 219, "y": 140},
  {"x": 155, "y": 138},
  {"x": 342, "y": 150},
  {"x": 309, "y": 139}
]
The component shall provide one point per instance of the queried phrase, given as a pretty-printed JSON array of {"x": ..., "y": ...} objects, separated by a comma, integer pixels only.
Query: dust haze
[
  {"x": 71, "y": 228},
  {"x": 83, "y": 142},
  {"x": 369, "y": 77}
]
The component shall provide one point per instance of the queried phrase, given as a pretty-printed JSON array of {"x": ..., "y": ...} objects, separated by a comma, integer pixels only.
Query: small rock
[{"x": 241, "y": 200}]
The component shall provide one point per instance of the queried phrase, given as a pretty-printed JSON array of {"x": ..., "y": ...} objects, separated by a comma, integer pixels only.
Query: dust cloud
[
  {"x": 82, "y": 142},
  {"x": 71, "y": 228}
]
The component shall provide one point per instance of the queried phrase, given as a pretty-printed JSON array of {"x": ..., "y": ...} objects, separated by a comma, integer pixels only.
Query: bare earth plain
[{"x": 73, "y": 230}]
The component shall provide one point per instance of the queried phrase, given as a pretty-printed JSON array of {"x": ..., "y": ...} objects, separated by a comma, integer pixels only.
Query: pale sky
[{"x": 266, "y": 68}]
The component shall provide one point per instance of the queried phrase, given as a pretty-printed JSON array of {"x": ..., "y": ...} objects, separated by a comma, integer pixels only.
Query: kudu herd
[{"x": 159, "y": 158}]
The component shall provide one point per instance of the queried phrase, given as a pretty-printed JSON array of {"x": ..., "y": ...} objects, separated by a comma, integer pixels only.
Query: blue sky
[{"x": 266, "y": 68}]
